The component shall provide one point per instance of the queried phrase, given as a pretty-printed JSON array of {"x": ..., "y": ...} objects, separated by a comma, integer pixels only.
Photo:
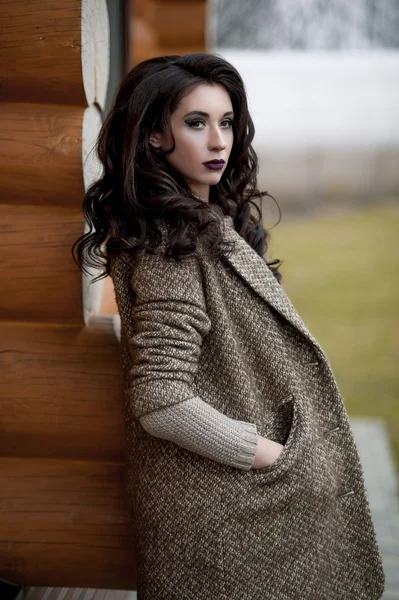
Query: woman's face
[{"x": 200, "y": 137}]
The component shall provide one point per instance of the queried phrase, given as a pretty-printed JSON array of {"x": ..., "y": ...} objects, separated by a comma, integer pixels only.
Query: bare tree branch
[{"x": 306, "y": 24}]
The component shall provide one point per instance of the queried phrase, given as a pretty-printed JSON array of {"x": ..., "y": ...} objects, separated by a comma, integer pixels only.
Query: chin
[{"x": 214, "y": 176}]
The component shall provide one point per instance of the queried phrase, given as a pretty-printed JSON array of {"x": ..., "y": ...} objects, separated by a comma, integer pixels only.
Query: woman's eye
[{"x": 193, "y": 123}]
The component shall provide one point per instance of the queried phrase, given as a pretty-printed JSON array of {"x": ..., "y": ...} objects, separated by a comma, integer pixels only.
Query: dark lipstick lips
[
  {"x": 215, "y": 161},
  {"x": 214, "y": 165}
]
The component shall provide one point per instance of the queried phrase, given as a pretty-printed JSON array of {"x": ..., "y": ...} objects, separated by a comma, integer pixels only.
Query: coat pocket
[{"x": 288, "y": 421}]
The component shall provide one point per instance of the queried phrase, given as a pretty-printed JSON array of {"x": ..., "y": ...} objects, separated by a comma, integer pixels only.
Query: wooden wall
[
  {"x": 63, "y": 517},
  {"x": 160, "y": 27}
]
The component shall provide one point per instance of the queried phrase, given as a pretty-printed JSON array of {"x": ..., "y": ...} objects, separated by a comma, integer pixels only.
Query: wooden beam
[
  {"x": 65, "y": 523},
  {"x": 40, "y": 281},
  {"x": 54, "y": 52},
  {"x": 61, "y": 393}
]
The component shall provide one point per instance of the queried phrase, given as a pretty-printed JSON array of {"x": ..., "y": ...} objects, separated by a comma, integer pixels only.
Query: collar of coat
[{"x": 255, "y": 272}]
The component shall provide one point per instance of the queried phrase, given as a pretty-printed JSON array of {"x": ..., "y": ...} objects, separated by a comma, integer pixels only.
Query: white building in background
[{"x": 327, "y": 123}]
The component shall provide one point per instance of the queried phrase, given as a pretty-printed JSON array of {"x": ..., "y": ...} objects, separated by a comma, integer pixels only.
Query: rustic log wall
[
  {"x": 63, "y": 517},
  {"x": 166, "y": 27}
]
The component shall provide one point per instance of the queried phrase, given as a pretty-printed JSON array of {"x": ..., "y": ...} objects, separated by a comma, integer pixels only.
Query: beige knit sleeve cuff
[{"x": 197, "y": 426}]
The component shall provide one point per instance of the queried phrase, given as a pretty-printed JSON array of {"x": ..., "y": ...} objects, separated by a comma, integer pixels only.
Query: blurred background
[{"x": 322, "y": 78}]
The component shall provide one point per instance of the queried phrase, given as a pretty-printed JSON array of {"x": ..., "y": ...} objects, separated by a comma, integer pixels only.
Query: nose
[{"x": 216, "y": 139}]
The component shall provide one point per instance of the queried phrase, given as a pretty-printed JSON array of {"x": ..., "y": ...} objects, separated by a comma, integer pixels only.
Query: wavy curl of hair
[{"x": 138, "y": 186}]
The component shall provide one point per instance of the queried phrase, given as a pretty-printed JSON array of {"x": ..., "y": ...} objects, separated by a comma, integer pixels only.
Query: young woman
[{"x": 244, "y": 480}]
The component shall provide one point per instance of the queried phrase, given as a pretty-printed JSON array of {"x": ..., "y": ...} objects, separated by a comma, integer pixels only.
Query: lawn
[{"x": 341, "y": 273}]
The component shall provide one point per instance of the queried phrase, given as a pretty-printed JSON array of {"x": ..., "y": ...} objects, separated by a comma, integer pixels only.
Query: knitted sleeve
[
  {"x": 197, "y": 426},
  {"x": 167, "y": 323}
]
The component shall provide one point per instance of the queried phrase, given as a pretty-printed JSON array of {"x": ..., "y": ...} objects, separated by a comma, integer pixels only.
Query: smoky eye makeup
[
  {"x": 198, "y": 115},
  {"x": 191, "y": 122}
]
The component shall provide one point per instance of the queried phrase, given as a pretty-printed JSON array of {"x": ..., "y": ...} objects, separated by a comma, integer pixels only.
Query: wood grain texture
[
  {"x": 165, "y": 27},
  {"x": 41, "y": 150},
  {"x": 54, "y": 52},
  {"x": 65, "y": 523},
  {"x": 38, "y": 38},
  {"x": 61, "y": 392},
  {"x": 40, "y": 281},
  {"x": 180, "y": 24}
]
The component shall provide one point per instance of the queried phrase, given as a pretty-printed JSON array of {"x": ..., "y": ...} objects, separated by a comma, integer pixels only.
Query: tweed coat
[{"x": 300, "y": 528}]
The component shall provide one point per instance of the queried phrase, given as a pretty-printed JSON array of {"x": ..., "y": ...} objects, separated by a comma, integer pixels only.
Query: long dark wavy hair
[{"x": 138, "y": 186}]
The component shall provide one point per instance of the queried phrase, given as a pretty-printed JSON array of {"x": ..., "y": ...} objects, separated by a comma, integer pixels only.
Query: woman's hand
[{"x": 266, "y": 453}]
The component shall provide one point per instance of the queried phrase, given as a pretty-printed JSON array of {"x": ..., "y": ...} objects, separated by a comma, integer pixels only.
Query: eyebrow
[{"x": 205, "y": 114}]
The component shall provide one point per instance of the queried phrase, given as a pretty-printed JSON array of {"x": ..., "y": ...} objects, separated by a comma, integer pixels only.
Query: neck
[{"x": 201, "y": 196}]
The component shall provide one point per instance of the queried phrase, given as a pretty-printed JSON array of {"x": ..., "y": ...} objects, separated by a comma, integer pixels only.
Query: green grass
[{"x": 341, "y": 273}]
